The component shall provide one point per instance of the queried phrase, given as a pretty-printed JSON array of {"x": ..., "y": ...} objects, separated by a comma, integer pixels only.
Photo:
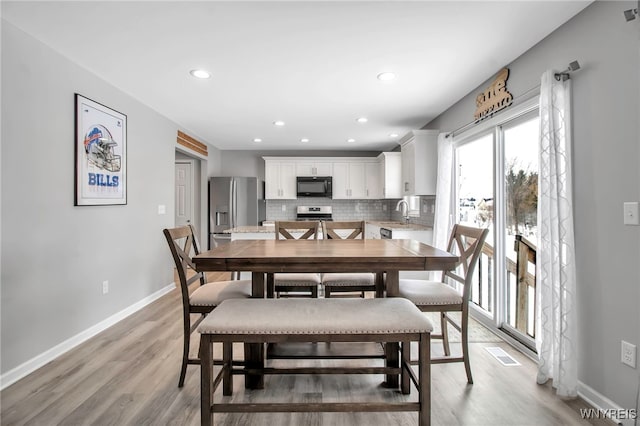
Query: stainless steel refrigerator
[{"x": 233, "y": 202}]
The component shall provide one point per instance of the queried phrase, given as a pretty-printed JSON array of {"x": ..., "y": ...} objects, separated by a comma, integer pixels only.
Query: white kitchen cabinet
[
  {"x": 373, "y": 188},
  {"x": 313, "y": 168},
  {"x": 390, "y": 164},
  {"x": 349, "y": 180},
  {"x": 280, "y": 180},
  {"x": 419, "y": 162}
]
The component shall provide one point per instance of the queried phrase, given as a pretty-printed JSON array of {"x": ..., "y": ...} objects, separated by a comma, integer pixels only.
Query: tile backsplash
[{"x": 352, "y": 209}]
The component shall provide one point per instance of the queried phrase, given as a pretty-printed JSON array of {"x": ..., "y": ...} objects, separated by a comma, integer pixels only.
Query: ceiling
[{"x": 310, "y": 64}]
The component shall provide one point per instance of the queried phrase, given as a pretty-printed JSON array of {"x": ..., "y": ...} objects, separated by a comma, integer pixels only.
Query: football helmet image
[{"x": 99, "y": 146}]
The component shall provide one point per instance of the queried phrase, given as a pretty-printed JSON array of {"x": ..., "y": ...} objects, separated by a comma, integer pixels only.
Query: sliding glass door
[{"x": 496, "y": 188}]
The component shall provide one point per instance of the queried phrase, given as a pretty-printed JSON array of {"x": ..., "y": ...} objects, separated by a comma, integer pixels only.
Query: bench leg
[
  {"x": 227, "y": 365},
  {"x": 405, "y": 363},
  {"x": 254, "y": 359},
  {"x": 391, "y": 350},
  {"x": 424, "y": 372},
  {"x": 206, "y": 365}
]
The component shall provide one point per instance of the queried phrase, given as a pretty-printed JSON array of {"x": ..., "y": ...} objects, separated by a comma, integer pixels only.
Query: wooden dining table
[{"x": 380, "y": 256}]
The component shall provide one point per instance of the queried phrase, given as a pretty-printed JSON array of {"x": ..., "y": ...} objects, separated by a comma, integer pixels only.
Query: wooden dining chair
[
  {"x": 439, "y": 296},
  {"x": 346, "y": 282},
  {"x": 290, "y": 283},
  {"x": 206, "y": 296}
]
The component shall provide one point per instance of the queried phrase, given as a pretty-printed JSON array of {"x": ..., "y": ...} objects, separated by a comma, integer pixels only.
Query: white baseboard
[
  {"x": 17, "y": 373},
  {"x": 601, "y": 402}
]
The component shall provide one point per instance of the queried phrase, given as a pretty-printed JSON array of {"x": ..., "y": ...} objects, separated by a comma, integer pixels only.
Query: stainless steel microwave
[{"x": 314, "y": 186}]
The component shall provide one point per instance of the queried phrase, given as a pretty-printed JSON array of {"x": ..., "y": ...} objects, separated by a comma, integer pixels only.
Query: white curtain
[
  {"x": 555, "y": 265},
  {"x": 443, "y": 219}
]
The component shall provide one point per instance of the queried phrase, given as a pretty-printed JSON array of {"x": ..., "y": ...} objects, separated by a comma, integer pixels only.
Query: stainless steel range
[{"x": 313, "y": 213}]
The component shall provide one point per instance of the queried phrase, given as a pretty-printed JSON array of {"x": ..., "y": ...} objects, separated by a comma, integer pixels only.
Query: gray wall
[
  {"x": 54, "y": 255},
  {"x": 606, "y": 93}
]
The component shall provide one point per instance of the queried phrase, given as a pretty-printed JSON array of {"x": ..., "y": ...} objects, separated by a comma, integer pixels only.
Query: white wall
[
  {"x": 606, "y": 93},
  {"x": 54, "y": 255}
]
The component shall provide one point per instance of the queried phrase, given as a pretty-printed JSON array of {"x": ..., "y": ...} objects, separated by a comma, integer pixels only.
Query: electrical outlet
[
  {"x": 631, "y": 213},
  {"x": 628, "y": 354},
  {"x": 105, "y": 287}
]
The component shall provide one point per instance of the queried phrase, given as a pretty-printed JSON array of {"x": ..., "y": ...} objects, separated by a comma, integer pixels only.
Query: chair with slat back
[
  {"x": 203, "y": 299},
  {"x": 346, "y": 282},
  {"x": 438, "y": 296},
  {"x": 306, "y": 283}
]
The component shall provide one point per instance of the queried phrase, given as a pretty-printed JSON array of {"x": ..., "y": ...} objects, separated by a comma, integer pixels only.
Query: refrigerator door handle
[
  {"x": 235, "y": 203},
  {"x": 231, "y": 203}
]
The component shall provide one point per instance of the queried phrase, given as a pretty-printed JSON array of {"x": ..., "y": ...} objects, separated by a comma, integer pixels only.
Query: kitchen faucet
[{"x": 405, "y": 209}]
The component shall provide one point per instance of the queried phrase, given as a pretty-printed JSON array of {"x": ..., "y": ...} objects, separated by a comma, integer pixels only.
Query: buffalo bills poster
[{"x": 101, "y": 154}]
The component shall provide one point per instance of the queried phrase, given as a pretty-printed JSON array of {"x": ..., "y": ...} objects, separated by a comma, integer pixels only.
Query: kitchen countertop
[
  {"x": 393, "y": 225},
  {"x": 249, "y": 229},
  {"x": 389, "y": 224}
]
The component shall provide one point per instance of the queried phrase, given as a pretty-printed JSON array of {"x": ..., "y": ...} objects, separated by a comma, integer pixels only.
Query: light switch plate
[
  {"x": 162, "y": 209},
  {"x": 631, "y": 213}
]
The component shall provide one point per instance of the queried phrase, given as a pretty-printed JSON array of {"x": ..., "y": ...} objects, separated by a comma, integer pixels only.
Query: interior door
[{"x": 184, "y": 194}]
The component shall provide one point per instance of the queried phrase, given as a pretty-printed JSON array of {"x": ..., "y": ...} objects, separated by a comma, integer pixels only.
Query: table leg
[
  {"x": 379, "y": 284},
  {"x": 271, "y": 286},
  {"x": 254, "y": 352},
  {"x": 393, "y": 283}
]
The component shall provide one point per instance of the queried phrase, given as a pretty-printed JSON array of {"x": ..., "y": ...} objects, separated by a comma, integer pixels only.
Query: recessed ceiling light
[
  {"x": 278, "y": 123},
  {"x": 351, "y": 140},
  {"x": 393, "y": 135},
  {"x": 362, "y": 120},
  {"x": 386, "y": 76},
  {"x": 257, "y": 140},
  {"x": 304, "y": 140},
  {"x": 198, "y": 73}
]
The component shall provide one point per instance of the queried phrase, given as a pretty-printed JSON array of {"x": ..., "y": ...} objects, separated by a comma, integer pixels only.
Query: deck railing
[{"x": 521, "y": 283}]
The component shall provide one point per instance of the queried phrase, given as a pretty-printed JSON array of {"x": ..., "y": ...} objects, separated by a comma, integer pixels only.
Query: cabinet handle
[{"x": 367, "y": 192}]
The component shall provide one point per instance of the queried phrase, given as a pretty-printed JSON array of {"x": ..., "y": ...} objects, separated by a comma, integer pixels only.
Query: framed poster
[{"x": 101, "y": 154}]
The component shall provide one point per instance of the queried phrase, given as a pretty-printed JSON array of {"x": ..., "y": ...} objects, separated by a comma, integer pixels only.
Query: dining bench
[{"x": 261, "y": 321}]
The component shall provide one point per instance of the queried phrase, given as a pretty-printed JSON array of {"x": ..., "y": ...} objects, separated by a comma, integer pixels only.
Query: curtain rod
[{"x": 564, "y": 75}]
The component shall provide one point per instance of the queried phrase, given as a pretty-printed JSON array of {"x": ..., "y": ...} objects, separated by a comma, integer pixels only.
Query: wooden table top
[{"x": 361, "y": 255}]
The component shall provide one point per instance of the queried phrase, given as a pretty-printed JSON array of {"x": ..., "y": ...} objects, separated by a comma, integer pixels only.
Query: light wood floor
[{"x": 128, "y": 375}]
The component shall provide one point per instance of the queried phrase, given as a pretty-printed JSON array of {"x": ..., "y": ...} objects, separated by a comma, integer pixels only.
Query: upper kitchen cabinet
[
  {"x": 306, "y": 167},
  {"x": 358, "y": 179},
  {"x": 372, "y": 181},
  {"x": 280, "y": 180},
  {"x": 390, "y": 166},
  {"x": 419, "y": 162},
  {"x": 349, "y": 180}
]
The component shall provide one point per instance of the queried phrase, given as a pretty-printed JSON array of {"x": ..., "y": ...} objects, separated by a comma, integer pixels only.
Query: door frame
[{"x": 494, "y": 126}]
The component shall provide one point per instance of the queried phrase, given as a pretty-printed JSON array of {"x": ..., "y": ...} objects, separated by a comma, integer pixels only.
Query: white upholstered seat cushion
[
  {"x": 214, "y": 293},
  {"x": 316, "y": 316},
  {"x": 296, "y": 279},
  {"x": 422, "y": 292},
  {"x": 334, "y": 279}
]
